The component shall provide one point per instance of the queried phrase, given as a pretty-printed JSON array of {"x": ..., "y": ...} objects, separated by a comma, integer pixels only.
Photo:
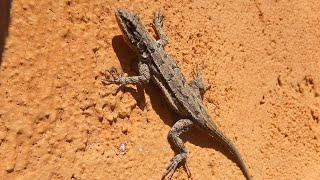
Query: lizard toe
[
  {"x": 174, "y": 163},
  {"x": 158, "y": 19}
]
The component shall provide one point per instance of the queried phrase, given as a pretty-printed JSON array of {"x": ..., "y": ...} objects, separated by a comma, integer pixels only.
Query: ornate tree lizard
[{"x": 155, "y": 64}]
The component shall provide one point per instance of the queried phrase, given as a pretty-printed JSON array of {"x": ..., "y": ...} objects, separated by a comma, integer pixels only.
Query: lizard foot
[
  {"x": 112, "y": 77},
  {"x": 174, "y": 163},
  {"x": 158, "y": 19}
]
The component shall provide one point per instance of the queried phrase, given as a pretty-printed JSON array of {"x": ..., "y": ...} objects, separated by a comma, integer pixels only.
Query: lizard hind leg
[
  {"x": 198, "y": 86},
  {"x": 179, "y": 127}
]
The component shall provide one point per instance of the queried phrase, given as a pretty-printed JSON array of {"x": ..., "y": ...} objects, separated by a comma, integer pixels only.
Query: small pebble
[{"x": 122, "y": 148}]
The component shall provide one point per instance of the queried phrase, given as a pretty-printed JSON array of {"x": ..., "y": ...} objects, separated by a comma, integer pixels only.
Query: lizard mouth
[
  {"x": 123, "y": 16},
  {"x": 127, "y": 22}
]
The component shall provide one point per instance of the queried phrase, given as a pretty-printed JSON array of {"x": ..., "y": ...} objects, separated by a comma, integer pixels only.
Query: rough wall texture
[{"x": 57, "y": 121}]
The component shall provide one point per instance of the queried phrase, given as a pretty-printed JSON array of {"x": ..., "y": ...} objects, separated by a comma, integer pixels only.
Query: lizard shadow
[
  {"x": 127, "y": 61},
  {"x": 196, "y": 136},
  {"x": 5, "y": 7}
]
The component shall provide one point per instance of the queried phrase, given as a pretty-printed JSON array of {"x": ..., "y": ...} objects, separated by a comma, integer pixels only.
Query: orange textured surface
[{"x": 57, "y": 121}]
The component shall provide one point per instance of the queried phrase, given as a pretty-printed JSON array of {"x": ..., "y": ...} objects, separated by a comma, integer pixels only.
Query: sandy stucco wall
[{"x": 57, "y": 121}]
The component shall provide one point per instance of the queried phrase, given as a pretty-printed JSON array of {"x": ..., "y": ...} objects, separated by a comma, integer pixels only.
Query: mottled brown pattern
[{"x": 57, "y": 121}]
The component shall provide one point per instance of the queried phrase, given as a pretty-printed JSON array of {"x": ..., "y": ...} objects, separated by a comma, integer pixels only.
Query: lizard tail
[{"x": 214, "y": 132}]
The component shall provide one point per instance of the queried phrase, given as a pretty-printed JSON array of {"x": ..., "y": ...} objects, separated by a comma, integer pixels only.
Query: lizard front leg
[
  {"x": 143, "y": 78},
  {"x": 158, "y": 28},
  {"x": 179, "y": 127}
]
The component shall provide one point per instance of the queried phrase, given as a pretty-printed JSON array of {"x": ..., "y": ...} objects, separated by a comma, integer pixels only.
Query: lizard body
[{"x": 183, "y": 97}]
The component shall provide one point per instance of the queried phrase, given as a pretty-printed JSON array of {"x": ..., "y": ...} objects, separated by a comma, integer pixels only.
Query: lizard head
[{"x": 134, "y": 32}]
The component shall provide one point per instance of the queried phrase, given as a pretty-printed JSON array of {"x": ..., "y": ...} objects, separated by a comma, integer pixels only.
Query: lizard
[{"x": 157, "y": 66}]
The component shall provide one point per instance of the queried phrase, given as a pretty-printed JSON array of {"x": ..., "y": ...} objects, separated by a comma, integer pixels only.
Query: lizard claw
[
  {"x": 119, "y": 81},
  {"x": 112, "y": 77},
  {"x": 158, "y": 19},
  {"x": 107, "y": 81},
  {"x": 178, "y": 159},
  {"x": 186, "y": 168}
]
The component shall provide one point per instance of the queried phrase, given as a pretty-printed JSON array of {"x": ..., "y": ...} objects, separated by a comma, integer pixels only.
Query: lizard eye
[
  {"x": 152, "y": 50},
  {"x": 145, "y": 55}
]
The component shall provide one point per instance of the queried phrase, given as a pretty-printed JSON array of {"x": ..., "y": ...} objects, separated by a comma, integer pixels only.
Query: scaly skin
[{"x": 184, "y": 98}]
